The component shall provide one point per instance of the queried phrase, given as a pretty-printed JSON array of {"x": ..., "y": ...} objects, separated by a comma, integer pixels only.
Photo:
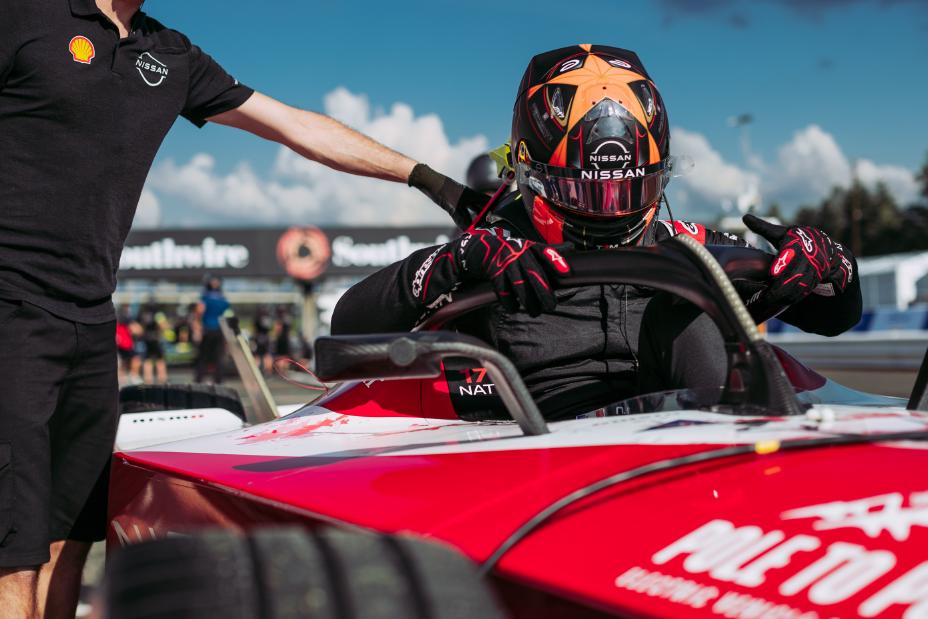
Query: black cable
[
  {"x": 673, "y": 222},
  {"x": 762, "y": 448}
]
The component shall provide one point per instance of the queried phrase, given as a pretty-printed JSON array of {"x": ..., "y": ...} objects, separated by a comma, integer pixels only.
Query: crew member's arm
[
  {"x": 317, "y": 137},
  {"x": 327, "y": 141},
  {"x": 213, "y": 95}
]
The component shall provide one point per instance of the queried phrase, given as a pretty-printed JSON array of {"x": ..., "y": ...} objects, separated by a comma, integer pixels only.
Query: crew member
[
  {"x": 88, "y": 90},
  {"x": 591, "y": 143}
]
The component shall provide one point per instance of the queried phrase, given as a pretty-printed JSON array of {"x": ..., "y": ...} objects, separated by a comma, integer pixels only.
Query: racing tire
[
  {"x": 290, "y": 573},
  {"x": 144, "y": 398}
]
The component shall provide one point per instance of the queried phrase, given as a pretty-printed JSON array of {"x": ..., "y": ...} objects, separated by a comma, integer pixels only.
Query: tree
[
  {"x": 879, "y": 221},
  {"x": 806, "y": 216},
  {"x": 914, "y": 229},
  {"x": 868, "y": 220},
  {"x": 922, "y": 178},
  {"x": 773, "y": 212}
]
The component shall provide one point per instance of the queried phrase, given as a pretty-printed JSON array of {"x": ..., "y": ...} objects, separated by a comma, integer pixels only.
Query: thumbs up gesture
[{"x": 808, "y": 262}]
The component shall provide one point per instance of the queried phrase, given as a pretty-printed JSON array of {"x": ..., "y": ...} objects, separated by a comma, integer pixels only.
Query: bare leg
[
  {"x": 148, "y": 370},
  {"x": 135, "y": 366},
  {"x": 162, "y": 367},
  {"x": 59, "y": 582},
  {"x": 18, "y": 592}
]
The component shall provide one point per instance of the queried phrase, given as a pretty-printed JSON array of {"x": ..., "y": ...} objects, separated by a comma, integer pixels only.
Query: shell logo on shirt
[{"x": 82, "y": 49}]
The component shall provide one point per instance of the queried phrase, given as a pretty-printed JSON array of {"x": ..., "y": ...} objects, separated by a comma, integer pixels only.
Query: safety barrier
[
  {"x": 876, "y": 320},
  {"x": 884, "y": 339}
]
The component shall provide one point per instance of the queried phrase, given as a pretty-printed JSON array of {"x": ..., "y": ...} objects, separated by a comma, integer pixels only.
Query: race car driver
[
  {"x": 88, "y": 90},
  {"x": 591, "y": 143}
]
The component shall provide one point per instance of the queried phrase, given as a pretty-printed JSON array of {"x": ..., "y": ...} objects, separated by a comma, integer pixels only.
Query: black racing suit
[{"x": 602, "y": 343}]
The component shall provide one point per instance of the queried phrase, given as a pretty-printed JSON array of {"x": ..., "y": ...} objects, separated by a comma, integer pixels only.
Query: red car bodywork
[{"x": 812, "y": 532}]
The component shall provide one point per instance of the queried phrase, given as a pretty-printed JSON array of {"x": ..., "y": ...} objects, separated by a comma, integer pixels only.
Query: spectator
[
  {"x": 306, "y": 349},
  {"x": 188, "y": 326},
  {"x": 264, "y": 326},
  {"x": 213, "y": 304},
  {"x": 127, "y": 330},
  {"x": 282, "y": 329},
  {"x": 151, "y": 321}
]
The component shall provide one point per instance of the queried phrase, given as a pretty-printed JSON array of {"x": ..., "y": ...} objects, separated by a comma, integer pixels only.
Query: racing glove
[
  {"x": 517, "y": 268},
  {"x": 459, "y": 201},
  {"x": 807, "y": 262}
]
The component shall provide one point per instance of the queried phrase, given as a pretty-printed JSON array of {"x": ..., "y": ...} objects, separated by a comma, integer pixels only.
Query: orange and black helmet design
[{"x": 591, "y": 145}]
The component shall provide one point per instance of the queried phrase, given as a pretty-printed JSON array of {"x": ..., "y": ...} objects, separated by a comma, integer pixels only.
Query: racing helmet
[
  {"x": 590, "y": 145},
  {"x": 482, "y": 175}
]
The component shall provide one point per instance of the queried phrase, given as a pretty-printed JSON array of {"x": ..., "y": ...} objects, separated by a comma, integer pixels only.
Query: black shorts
[
  {"x": 58, "y": 417},
  {"x": 282, "y": 347},
  {"x": 262, "y": 345},
  {"x": 127, "y": 354},
  {"x": 153, "y": 351}
]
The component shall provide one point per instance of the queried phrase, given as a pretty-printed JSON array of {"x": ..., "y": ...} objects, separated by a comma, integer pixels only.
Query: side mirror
[{"x": 419, "y": 355}]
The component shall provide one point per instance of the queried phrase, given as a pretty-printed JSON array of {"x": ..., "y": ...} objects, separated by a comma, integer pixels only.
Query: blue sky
[{"x": 854, "y": 70}]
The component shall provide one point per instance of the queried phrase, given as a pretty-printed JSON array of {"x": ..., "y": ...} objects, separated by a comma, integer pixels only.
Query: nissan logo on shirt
[{"x": 152, "y": 70}]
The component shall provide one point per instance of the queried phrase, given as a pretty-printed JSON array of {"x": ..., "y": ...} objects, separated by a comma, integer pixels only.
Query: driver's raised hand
[
  {"x": 807, "y": 262},
  {"x": 518, "y": 269}
]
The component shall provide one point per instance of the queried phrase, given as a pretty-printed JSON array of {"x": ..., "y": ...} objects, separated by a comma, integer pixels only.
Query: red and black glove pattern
[
  {"x": 517, "y": 268},
  {"x": 808, "y": 262}
]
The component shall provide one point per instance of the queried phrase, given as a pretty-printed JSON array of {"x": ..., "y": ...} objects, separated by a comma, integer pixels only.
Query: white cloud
[
  {"x": 900, "y": 181},
  {"x": 148, "y": 214},
  {"x": 807, "y": 167},
  {"x": 713, "y": 179},
  {"x": 812, "y": 163},
  {"x": 301, "y": 191},
  {"x": 805, "y": 170}
]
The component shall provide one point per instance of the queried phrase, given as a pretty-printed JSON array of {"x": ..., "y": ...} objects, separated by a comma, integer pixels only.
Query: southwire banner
[{"x": 304, "y": 253}]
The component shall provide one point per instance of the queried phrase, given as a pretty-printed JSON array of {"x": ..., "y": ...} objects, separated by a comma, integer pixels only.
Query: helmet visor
[{"x": 601, "y": 193}]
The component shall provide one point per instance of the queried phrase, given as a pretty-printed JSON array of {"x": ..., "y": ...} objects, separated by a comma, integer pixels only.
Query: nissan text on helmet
[{"x": 591, "y": 145}]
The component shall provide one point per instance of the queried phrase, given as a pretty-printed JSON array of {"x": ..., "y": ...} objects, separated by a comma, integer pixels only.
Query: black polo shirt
[{"x": 82, "y": 115}]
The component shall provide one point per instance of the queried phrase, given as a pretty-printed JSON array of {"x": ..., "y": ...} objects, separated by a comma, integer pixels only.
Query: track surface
[{"x": 883, "y": 382}]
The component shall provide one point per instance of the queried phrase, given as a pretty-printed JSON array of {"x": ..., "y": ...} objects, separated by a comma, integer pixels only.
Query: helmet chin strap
[
  {"x": 636, "y": 233},
  {"x": 646, "y": 222},
  {"x": 631, "y": 235}
]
